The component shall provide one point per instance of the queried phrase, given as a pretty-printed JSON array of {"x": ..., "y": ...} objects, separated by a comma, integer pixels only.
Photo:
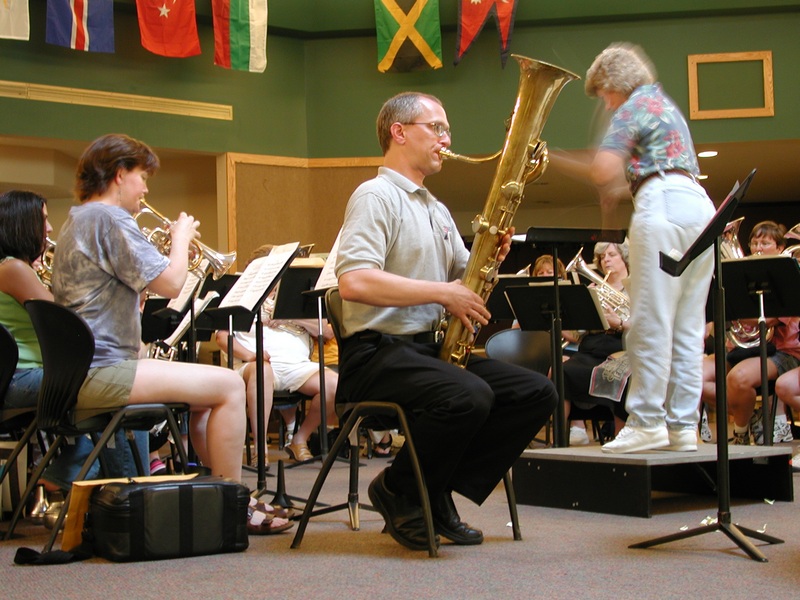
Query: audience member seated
[
  {"x": 744, "y": 364},
  {"x": 288, "y": 347},
  {"x": 595, "y": 347}
]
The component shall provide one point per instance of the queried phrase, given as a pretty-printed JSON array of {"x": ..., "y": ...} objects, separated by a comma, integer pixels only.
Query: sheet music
[
  {"x": 327, "y": 278},
  {"x": 200, "y": 305},
  {"x": 258, "y": 277},
  {"x": 181, "y": 303}
]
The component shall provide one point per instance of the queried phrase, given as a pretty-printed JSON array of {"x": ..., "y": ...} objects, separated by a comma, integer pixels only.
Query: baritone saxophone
[{"x": 523, "y": 159}]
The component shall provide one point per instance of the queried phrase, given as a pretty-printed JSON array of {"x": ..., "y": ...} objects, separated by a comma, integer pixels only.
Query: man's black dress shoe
[
  {"x": 404, "y": 520},
  {"x": 448, "y": 524}
]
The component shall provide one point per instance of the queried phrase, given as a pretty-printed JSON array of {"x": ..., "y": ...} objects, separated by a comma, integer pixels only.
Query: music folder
[
  {"x": 250, "y": 290},
  {"x": 534, "y": 306},
  {"x": 497, "y": 303}
]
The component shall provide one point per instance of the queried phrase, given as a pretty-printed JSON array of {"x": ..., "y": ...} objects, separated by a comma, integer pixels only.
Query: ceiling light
[
  {"x": 702, "y": 176},
  {"x": 707, "y": 154}
]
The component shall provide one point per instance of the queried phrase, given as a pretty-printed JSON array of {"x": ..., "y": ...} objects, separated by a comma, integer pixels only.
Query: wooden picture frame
[{"x": 768, "y": 108}]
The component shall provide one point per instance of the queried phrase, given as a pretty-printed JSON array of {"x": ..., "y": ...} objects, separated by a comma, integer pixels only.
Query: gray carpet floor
[{"x": 563, "y": 554}]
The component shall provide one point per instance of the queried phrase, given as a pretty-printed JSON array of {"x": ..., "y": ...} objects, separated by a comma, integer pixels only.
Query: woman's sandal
[
  {"x": 260, "y": 522},
  {"x": 273, "y": 510},
  {"x": 383, "y": 449}
]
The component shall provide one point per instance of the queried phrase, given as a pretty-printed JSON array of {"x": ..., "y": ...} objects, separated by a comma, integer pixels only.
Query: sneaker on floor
[
  {"x": 782, "y": 432},
  {"x": 638, "y": 439},
  {"x": 682, "y": 440},
  {"x": 157, "y": 467},
  {"x": 741, "y": 438},
  {"x": 705, "y": 430},
  {"x": 578, "y": 437}
]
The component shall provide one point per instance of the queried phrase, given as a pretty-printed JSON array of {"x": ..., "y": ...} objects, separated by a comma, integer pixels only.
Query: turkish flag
[{"x": 168, "y": 27}]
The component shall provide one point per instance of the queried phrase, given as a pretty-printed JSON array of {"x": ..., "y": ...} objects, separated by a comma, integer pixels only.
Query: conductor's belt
[{"x": 636, "y": 185}]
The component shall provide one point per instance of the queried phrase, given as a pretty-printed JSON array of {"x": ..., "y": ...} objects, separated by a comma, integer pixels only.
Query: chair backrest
[
  {"x": 9, "y": 355},
  {"x": 529, "y": 349},
  {"x": 333, "y": 308},
  {"x": 67, "y": 346}
]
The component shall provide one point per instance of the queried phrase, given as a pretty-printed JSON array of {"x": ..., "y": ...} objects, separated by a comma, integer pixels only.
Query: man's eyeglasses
[{"x": 437, "y": 128}]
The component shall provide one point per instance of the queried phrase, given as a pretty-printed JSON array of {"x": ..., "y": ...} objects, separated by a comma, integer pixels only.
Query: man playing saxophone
[{"x": 399, "y": 262}]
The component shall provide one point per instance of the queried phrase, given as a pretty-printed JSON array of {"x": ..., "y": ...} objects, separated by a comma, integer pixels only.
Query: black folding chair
[{"x": 67, "y": 346}]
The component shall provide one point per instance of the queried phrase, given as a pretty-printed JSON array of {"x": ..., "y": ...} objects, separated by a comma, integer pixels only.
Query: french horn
[
  {"x": 44, "y": 266},
  {"x": 160, "y": 238}
]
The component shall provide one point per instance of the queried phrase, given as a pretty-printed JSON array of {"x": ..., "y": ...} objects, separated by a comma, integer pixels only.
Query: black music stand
[
  {"x": 240, "y": 318},
  {"x": 675, "y": 267},
  {"x": 554, "y": 236},
  {"x": 545, "y": 307},
  {"x": 295, "y": 300},
  {"x": 764, "y": 286}
]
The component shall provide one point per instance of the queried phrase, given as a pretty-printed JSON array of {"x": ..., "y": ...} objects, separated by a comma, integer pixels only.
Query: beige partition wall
[{"x": 273, "y": 199}]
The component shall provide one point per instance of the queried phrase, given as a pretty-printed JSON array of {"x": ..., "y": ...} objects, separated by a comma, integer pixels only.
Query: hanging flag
[
  {"x": 15, "y": 22},
  {"x": 168, "y": 27},
  {"x": 240, "y": 34},
  {"x": 409, "y": 35},
  {"x": 86, "y": 25},
  {"x": 472, "y": 16}
]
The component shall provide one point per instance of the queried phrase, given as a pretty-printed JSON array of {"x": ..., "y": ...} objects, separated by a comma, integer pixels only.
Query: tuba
[
  {"x": 611, "y": 299},
  {"x": 739, "y": 334},
  {"x": 523, "y": 159},
  {"x": 160, "y": 237}
]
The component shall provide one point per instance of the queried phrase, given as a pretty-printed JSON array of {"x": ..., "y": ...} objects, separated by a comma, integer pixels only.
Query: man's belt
[
  {"x": 635, "y": 185},
  {"x": 423, "y": 337}
]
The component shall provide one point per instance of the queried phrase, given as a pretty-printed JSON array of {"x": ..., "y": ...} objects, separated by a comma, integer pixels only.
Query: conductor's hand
[
  {"x": 465, "y": 305},
  {"x": 184, "y": 229}
]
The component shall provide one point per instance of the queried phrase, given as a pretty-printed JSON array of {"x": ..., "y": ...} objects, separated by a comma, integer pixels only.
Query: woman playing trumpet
[{"x": 102, "y": 264}]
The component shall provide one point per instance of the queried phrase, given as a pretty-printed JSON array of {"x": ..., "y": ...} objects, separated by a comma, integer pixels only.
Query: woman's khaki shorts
[{"x": 107, "y": 387}]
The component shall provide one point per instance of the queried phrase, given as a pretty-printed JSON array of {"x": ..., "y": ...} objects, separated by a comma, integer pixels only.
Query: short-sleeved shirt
[
  {"x": 399, "y": 227},
  {"x": 650, "y": 130},
  {"x": 101, "y": 265}
]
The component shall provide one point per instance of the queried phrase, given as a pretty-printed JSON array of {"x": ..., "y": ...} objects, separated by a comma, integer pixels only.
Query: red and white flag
[
  {"x": 168, "y": 27},
  {"x": 15, "y": 22},
  {"x": 472, "y": 16},
  {"x": 240, "y": 34}
]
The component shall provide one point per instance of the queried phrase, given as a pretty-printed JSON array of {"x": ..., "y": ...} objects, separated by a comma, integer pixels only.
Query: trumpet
[
  {"x": 160, "y": 238},
  {"x": 611, "y": 299}
]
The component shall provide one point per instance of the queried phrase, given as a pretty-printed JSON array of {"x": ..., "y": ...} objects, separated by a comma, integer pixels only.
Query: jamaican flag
[{"x": 409, "y": 35}]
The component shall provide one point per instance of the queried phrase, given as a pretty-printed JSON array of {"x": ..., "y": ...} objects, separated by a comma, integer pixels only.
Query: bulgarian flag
[
  {"x": 240, "y": 34},
  {"x": 168, "y": 27},
  {"x": 86, "y": 25}
]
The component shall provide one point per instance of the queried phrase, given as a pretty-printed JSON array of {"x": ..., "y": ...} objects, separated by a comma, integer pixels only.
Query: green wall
[{"x": 321, "y": 90}]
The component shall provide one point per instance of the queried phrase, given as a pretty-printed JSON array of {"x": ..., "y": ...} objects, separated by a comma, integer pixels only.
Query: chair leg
[
  {"x": 421, "y": 486},
  {"x": 512, "y": 505},
  {"x": 21, "y": 443},
  {"x": 32, "y": 483},
  {"x": 327, "y": 464},
  {"x": 352, "y": 495}
]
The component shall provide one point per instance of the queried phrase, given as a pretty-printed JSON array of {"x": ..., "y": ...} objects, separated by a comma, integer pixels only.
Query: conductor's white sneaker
[
  {"x": 682, "y": 440},
  {"x": 637, "y": 439}
]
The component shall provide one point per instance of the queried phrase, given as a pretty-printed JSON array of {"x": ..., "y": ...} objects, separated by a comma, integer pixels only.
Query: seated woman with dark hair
[{"x": 596, "y": 346}]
